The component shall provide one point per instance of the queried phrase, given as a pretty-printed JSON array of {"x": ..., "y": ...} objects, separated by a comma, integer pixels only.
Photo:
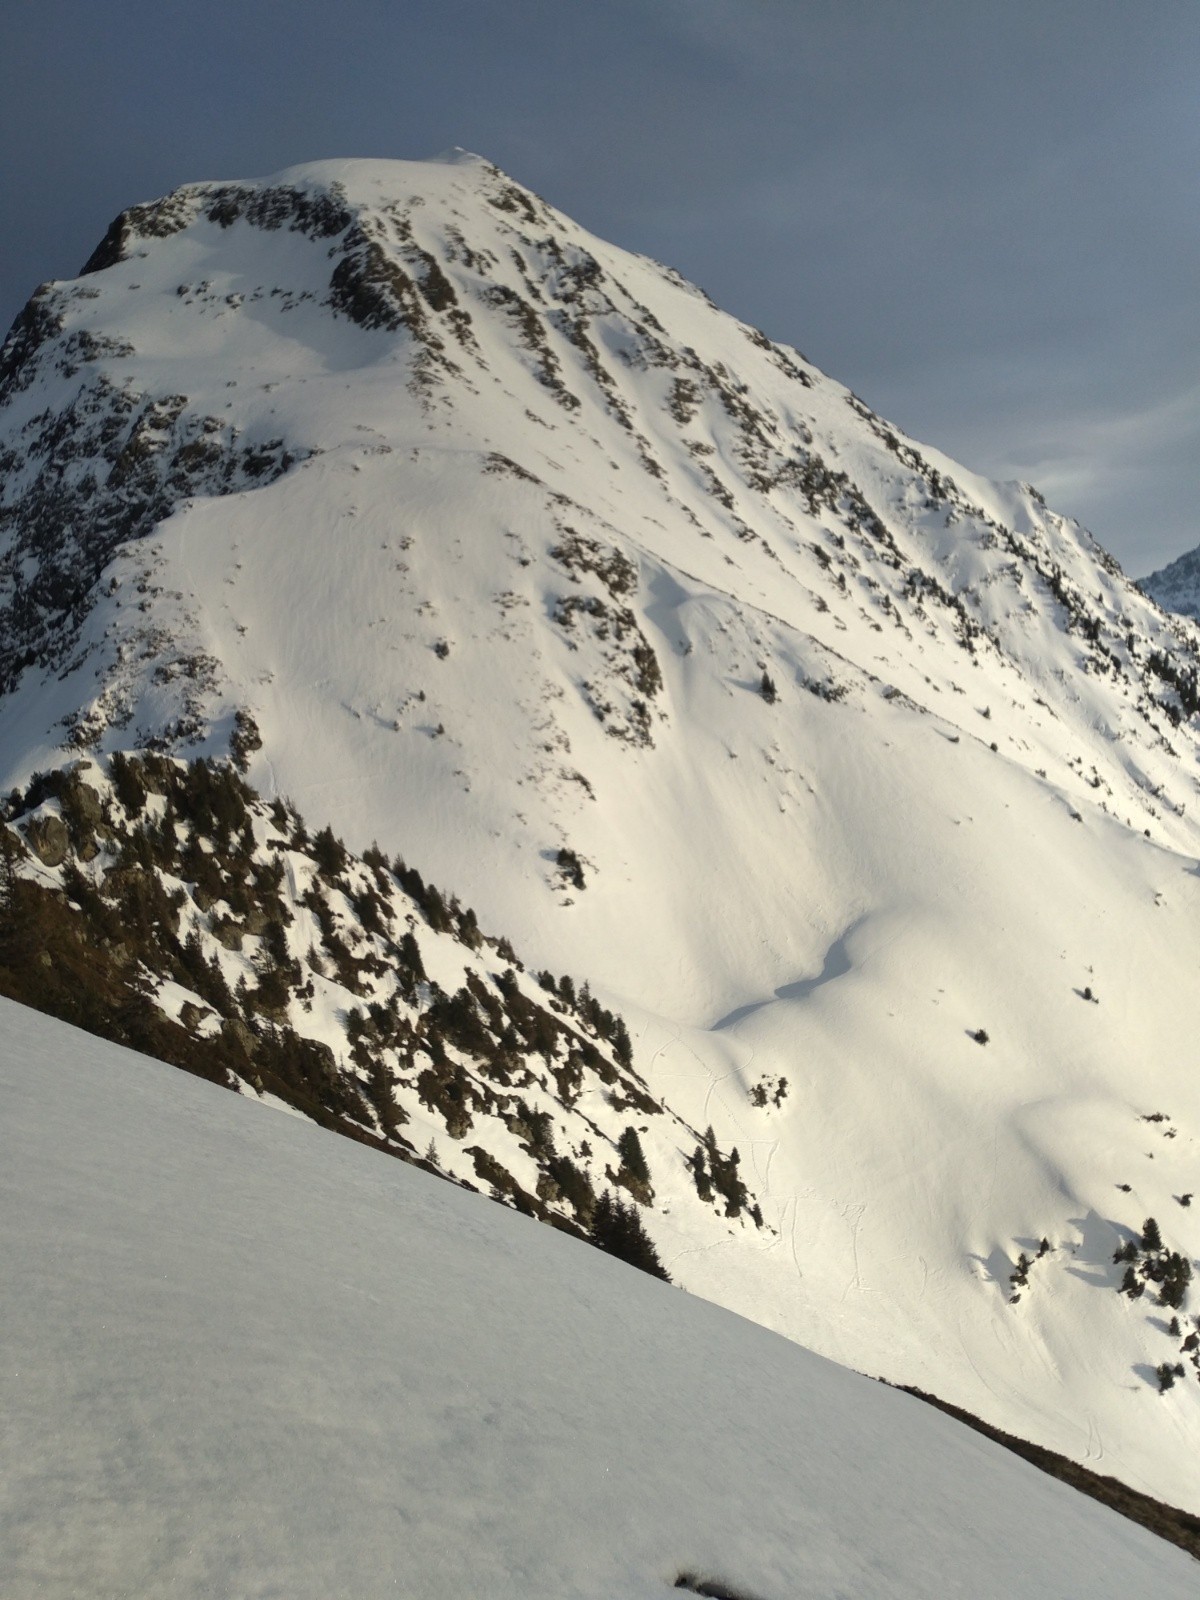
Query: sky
[{"x": 983, "y": 218}]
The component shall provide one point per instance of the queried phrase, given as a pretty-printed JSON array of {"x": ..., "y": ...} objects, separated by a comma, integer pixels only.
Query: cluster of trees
[
  {"x": 1148, "y": 1261},
  {"x": 762, "y": 1092},
  {"x": 1182, "y": 679},
  {"x": 617, "y": 1229},
  {"x": 1020, "y": 1277},
  {"x": 716, "y": 1174},
  {"x": 94, "y": 950},
  {"x": 606, "y": 1024}
]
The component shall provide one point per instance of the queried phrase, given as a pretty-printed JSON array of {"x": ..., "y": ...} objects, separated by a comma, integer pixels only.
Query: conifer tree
[
  {"x": 629, "y": 1148},
  {"x": 617, "y": 1230}
]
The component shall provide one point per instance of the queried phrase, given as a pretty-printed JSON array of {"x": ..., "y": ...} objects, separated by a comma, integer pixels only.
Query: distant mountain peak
[{"x": 1176, "y": 587}]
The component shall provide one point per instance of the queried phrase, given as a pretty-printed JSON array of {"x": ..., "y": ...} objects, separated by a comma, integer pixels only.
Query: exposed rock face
[
  {"x": 48, "y": 839},
  {"x": 96, "y": 478}
]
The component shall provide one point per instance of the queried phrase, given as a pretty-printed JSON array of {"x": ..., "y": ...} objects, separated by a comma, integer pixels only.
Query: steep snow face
[
  {"x": 520, "y": 553},
  {"x": 241, "y": 1356},
  {"x": 1176, "y": 587}
]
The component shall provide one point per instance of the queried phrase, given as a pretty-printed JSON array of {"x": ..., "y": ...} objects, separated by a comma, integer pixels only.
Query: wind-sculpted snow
[
  {"x": 242, "y": 1357},
  {"x": 821, "y": 758}
]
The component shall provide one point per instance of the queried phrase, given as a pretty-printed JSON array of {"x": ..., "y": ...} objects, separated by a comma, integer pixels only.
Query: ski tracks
[
  {"x": 788, "y": 1220},
  {"x": 852, "y": 1216}
]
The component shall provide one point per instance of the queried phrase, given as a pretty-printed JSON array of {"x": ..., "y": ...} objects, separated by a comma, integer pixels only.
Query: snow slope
[
  {"x": 244, "y": 1357},
  {"x": 494, "y": 530}
]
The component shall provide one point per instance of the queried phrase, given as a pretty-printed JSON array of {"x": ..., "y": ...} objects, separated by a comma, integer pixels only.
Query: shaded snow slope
[
  {"x": 241, "y": 1356},
  {"x": 494, "y": 532}
]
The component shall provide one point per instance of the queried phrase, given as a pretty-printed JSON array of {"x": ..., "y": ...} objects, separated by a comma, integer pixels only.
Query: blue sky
[{"x": 983, "y": 217}]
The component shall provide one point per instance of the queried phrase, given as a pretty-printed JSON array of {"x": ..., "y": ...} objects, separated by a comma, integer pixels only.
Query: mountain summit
[{"x": 859, "y": 785}]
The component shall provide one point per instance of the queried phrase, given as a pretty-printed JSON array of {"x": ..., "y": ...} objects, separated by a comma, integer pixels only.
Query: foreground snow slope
[
  {"x": 244, "y": 1357},
  {"x": 493, "y": 531}
]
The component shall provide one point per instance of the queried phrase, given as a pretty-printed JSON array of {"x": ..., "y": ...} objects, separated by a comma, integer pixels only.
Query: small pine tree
[
  {"x": 700, "y": 1174},
  {"x": 410, "y": 955},
  {"x": 329, "y": 853},
  {"x": 1151, "y": 1237},
  {"x": 571, "y": 867},
  {"x": 1177, "y": 1275},
  {"x": 574, "y": 1184},
  {"x": 629, "y": 1148},
  {"x": 436, "y": 913},
  {"x": 768, "y": 690},
  {"x": 622, "y": 1048},
  {"x": 127, "y": 783}
]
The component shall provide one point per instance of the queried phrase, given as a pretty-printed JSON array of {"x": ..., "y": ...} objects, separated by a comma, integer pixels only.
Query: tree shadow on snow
[
  {"x": 711, "y": 1588},
  {"x": 1093, "y": 1255},
  {"x": 998, "y": 1264}
]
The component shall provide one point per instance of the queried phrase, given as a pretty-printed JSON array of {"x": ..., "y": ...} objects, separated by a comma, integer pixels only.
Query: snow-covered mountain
[
  {"x": 1176, "y": 587},
  {"x": 242, "y": 1357},
  {"x": 858, "y": 786}
]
